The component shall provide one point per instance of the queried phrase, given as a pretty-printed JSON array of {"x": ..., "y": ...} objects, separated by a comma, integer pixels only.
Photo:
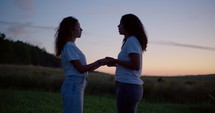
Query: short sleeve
[
  {"x": 133, "y": 46},
  {"x": 71, "y": 53}
]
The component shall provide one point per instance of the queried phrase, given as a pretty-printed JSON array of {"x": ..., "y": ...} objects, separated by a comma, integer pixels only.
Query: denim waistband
[{"x": 123, "y": 83}]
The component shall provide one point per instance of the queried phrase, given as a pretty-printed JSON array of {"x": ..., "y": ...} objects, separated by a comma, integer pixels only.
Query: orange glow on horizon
[{"x": 160, "y": 72}]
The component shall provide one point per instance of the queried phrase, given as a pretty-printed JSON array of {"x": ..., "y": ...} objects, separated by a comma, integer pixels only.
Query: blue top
[
  {"x": 71, "y": 52},
  {"x": 126, "y": 75}
]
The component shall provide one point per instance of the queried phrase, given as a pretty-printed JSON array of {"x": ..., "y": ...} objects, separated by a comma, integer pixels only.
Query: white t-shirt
[
  {"x": 126, "y": 75},
  {"x": 71, "y": 52}
]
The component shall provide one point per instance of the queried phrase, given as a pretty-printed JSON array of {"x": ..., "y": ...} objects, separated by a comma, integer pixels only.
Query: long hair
[
  {"x": 64, "y": 31},
  {"x": 134, "y": 26}
]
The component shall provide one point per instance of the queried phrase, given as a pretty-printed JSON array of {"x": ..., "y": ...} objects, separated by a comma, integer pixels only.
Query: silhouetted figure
[
  {"x": 74, "y": 65},
  {"x": 129, "y": 89}
]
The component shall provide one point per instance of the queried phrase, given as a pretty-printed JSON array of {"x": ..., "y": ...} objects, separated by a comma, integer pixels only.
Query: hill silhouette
[{"x": 22, "y": 53}]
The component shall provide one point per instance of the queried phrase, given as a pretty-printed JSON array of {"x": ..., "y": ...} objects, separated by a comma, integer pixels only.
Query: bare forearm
[
  {"x": 84, "y": 68},
  {"x": 94, "y": 66},
  {"x": 90, "y": 67}
]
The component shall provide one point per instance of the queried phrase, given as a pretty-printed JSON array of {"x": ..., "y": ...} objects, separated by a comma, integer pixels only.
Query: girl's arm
[
  {"x": 133, "y": 64},
  {"x": 90, "y": 67}
]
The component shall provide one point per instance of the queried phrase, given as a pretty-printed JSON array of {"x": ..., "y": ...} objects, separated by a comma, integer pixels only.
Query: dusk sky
[{"x": 181, "y": 33}]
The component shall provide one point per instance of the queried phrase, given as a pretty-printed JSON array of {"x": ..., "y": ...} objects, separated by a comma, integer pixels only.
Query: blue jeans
[
  {"x": 72, "y": 92},
  {"x": 128, "y": 97}
]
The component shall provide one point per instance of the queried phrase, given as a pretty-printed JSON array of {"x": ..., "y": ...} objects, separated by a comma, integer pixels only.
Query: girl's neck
[
  {"x": 71, "y": 39},
  {"x": 127, "y": 35}
]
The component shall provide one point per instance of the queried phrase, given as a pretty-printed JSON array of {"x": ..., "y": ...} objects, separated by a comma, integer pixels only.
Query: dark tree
[{"x": 23, "y": 53}]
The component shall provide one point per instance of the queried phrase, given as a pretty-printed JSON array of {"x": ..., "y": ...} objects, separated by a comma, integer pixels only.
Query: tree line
[{"x": 18, "y": 52}]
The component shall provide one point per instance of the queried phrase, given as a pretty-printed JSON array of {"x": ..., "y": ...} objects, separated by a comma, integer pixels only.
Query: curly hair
[{"x": 134, "y": 26}]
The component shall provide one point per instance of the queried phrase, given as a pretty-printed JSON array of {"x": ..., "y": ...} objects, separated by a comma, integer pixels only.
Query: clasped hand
[{"x": 109, "y": 61}]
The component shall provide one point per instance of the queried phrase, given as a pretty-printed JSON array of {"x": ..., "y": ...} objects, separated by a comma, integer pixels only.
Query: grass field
[
  {"x": 30, "y": 89},
  {"x": 22, "y": 101}
]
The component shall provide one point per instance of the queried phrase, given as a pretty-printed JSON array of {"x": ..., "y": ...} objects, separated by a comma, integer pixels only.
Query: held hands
[
  {"x": 109, "y": 61},
  {"x": 101, "y": 62}
]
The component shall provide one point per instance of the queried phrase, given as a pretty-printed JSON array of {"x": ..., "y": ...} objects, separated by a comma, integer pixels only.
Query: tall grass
[
  {"x": 31, "y": 77},
  {"x": 180, "y": 89},
  {"x": 186, "y": 89},
  {"x": 20, "y": 101}
]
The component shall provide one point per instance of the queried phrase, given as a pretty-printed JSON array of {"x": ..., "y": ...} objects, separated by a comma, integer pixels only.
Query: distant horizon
[
  {"x": 210, "y": 74},
  {"x": 213, "y": 74}
]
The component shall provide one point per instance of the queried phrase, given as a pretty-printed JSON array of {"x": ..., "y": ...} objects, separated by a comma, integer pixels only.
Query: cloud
[
  {"x": 26, "y": 6},
  {"x": 18, "y": 29},
  {"x": 24, "y": 31},
  {"x": 184, "y": 45},
  {"x": 22, "y": 28}
]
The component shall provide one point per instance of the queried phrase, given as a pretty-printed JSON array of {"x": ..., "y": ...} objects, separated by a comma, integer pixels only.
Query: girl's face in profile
[
  {"x": 78, "y": 30},
  {"x": 121, "y": 29}
]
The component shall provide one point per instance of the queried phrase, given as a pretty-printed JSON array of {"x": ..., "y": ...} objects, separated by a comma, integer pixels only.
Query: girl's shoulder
[
  {"x": 70, "y": 44},
  {"x": 132, "y": 40}
]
